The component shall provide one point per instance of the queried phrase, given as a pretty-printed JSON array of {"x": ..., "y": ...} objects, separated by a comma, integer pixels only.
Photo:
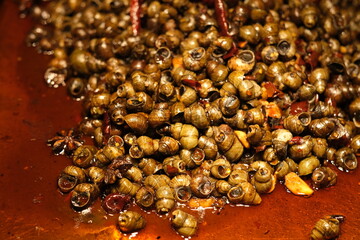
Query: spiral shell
[
  {"x": 327, "y": 227},
  {"x": 184, "y": 223},
  {"x": 131, "y": 221},
  {"x": 165, "y": 199},
  {"x": 244, "y": 193}
]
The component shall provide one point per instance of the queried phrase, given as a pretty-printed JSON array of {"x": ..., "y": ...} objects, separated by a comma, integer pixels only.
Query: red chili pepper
[
  {"x": 208, "y": 2},
  {"x": 135, "y": 16},
  {"x": 115, "y": 202},
  {"x": 299, "y": 107},
  {"x": 192, "y": 83},
  {"x": 271, "y": 89},
  {"x": 171, "y": 170},
  {"x": 296, "y": 140},
  {"x": 299, "y": 60},
  {"x": 260, "y": 148},
  {"x": 106, "y": 127},
  {"x": 221, "y": 17},
  {"x": 203, "y": 102},
  {"x": 300, "y": 46},
  {"x": 249, "y": 77},
  {"x": 232, "y": 52},
  {"x": 313, "y": 59},
  {"x": 258, "y": 56}
]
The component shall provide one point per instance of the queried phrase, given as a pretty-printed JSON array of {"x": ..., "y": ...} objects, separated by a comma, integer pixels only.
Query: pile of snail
[{"x": 213, "y": 99}]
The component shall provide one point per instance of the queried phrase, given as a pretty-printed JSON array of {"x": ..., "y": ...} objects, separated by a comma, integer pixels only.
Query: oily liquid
[{"x": 31, "y": 207}]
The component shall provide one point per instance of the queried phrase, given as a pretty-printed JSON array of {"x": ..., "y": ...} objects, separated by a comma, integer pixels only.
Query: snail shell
[
  {"x": 165, "y": 199},
  {"x": 149, "y": 166},
  {"x": 228, "y": 143},
  {"x": 184, "y": 223},
  {"x": 201, "y": 185},
  {"x": 138, "y": 122},
  {"x": 124, "y": 186},
  {"x": 196, "y": 115},
  {"x": 244, "y": 193},
  {"x": 157, "y": 181},
  {"x": 307, "y": 165},
  {"x": 327, "y": 227},
  {"x": 302, "y": 148},
  {"x": 168, "y": 146},
  {"x": 323, "y": 177},
  {"x": 237, "y": 176},
  {"x": 192, "y": 158},
  {"x": 159, "y": 115},
  {"x": 285, "y": 167},
  {"x": 70, "y": 177},
  {"x": 131, "y": 221},
  {"x": 222, "y": 187},
  {"x": 264, "y": 181},
  {"x": 83, "y": 195},
  {"x": 96, "y": 174},
  {"x": 84, "y": 155},
  {"x": 186, "y": 134},
  {"x": 297, "y": 123},
  {"x": 221, "y": 168},
  {"x": 145, "y": 197},
  {"x": 173, "y": 165},
  {"x": 181, "y": 186},
  {"x": 147, "y": 145},
  {"x": 345, "y": 159}
]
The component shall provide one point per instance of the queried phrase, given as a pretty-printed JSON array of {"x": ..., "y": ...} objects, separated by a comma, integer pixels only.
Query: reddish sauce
[{"x": 32, "y": 208}]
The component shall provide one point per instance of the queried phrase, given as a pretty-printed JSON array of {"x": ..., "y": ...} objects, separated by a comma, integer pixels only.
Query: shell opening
[
  {"x": 246, "y": 56},
  {"x": 236, "y": 192},
  {"x": 80, "y": 199},
  {"x": 67, "y": 182}
]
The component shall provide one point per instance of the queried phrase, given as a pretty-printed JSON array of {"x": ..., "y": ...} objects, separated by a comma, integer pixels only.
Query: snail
[
  {"x": 192, "y": 158},
  {"x": 96, "y": 174},
  {"x": 131, "y": 221},
  {"x": 323, "y": 177},
  {"x": 181, "y": 186},
  {"x": 165, "y": 199},
  {"x": 147, "y": 145},
  {"x": 70, "y": 177},
  {"x": 168, "y": 146},
  {"x": 149, "y": 166},
  {"x": 145, "y": 197},
  {"x": 263, "y": 180},
  {"x": 345, "y": 159},
  {"x": 327, "y": 227},
  {"x": 159, "y": 115},
  {"x": 220, "y": 168},
  {"x": 307, "y": 165},
  {"x": 174, "y": 165},
  {"x": 125, "y": 186},
  {"x": 201, "y": 185},
  {"x": 297, "y": 123},
  {"x": 237, "y": 176},
  {"x": 244, "y": 193},
  {"x": 157, "y": 181},
  {"x": 209, "y": 146},
  {"x": 227, "y": 142},
  {"x": 195, "y": 114},
  {"x": 285, "y": 167},
  {"x": 184, "y": 223},
  {"x": 222, "y": 187},
  {"x": 85, "y": 63},
  {"x": 84, "y": 155},
  {"x": 83, "y": 195}
]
